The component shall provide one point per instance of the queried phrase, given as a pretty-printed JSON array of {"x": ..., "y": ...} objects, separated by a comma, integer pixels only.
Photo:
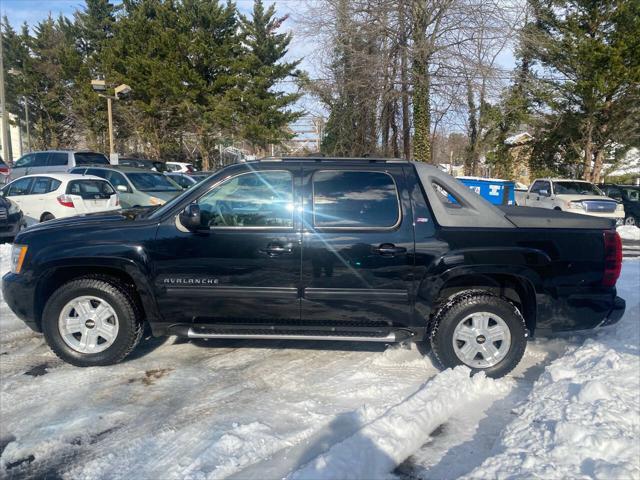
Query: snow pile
[
  {"x": 378, "y": 447},
  {"x": 583, "y": 415},
  {"x": 629, "y": 232}
]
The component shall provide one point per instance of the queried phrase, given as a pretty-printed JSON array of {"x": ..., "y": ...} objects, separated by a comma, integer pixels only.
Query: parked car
[
  {"x": 366, "y": 250},
  {"x": 629, "y": 196},
  {"x": 185, "y": 181},
  {"x": 11, "y": 220},
  {"x": 154, "y": 165},
  {"x": 5, "y": 171},
  {"x": 180, "y": 167},
  {"x": 575, "y": 196},
  {"x": 201, "y": 175},
  {"x": 57, "y": 195},
  {"x": 54, "y": 161},
  {"x": 494, "y": 190},
  {"x": 136, "y": 187}
]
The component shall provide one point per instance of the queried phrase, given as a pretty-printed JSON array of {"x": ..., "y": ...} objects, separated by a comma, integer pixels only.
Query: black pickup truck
[{"x": 368, "y": 249}]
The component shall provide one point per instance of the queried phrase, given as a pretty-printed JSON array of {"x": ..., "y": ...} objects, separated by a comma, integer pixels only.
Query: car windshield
[
  {"x": 152, "y": 182},
  {"x": 576, "y": 188},
  {"x": 88, "y": 158}
]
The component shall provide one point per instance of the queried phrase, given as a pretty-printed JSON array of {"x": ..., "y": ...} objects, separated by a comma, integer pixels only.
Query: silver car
[{"x": 54, "y": 161}]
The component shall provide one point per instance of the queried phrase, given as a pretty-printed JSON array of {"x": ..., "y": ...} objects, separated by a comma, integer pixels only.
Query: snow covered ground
[{"x": 301, "y": 410}]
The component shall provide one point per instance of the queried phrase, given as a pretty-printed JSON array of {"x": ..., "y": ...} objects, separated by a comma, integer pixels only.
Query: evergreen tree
[
  {"x": 589, "y": 51},
  {"x": 265, "y": 110}
]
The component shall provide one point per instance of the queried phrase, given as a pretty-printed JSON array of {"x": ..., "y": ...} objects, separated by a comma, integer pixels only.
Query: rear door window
[
  {"x": 89, "y": 158},
  {"x": 43, "y": 185},
  {"x": 58, "y": 159},
  {"x": 354, "y": 199},
  {"x": 26, "y": 161},
  {"x": 90, "y": 189}
]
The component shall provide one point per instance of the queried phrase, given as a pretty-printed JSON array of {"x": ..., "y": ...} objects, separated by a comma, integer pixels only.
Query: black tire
[
  {"x": 460, "y": 306},
  {"x": 46, "y": 216},
  {"x": 130, "y": 324}
]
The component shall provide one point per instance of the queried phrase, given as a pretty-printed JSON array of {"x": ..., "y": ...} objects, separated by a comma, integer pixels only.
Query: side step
[{"x": 348, "y": 336}]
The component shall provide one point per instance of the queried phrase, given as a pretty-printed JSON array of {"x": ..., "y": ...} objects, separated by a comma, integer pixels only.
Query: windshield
[
  {"x": 632, "y": 194},
  {"x": 152, "y": 182},
  {"x": 576, "y": 188}
]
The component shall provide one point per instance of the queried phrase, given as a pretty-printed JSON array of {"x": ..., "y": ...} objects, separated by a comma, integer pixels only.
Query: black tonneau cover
[{"x": 531, "y": 217}]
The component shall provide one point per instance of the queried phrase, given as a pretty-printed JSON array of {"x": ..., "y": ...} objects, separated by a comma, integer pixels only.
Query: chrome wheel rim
[
  {"x": 88, "y": 324},
  {"x": 481, "y": 340},
  {"x": 630, "y": 221}
]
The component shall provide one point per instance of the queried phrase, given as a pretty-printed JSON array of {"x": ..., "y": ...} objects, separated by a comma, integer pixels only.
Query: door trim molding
[
  {"x": 369, "y": 293},
  {"x": 237, "y": 292}
]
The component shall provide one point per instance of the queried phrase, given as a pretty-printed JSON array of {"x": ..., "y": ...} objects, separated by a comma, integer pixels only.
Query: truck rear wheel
[
  {"x": 480, "y": 330},
  {"x": 91, "y": 321}
]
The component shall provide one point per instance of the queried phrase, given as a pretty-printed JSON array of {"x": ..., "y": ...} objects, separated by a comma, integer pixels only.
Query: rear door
[
  {"x": 58, "y": 162},
  {"x": 357, "y": 245},
  {"x": 18, "y": 191}
]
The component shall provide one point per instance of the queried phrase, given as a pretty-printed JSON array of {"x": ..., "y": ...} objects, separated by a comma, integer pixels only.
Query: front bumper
[
  {"x": 616, "y": 312},
  {"x": 617, "y": 216},
  {"x": 18, "y": 292}
]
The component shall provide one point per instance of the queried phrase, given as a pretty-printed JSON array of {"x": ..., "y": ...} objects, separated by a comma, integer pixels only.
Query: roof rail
[{"x": 322, "y": 158}]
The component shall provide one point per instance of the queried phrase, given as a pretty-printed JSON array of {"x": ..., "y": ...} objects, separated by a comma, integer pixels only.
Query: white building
[{"x": 13, "y": 151}]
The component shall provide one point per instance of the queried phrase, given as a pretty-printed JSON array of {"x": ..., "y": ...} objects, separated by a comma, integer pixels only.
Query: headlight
[
  {"x": 156, "y": 201},
  {"x": 576, "y": 205},
  {"x": 13, "y": 207},
  {"x": 18, "y": 252},
  {"x": 620, "y": 208}
]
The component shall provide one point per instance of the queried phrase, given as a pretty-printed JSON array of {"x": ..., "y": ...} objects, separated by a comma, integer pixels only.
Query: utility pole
[
  {"x": 111, "y": 150},
  {"x": 26, "y": 116},
  {"x": 6, "y": 148}
]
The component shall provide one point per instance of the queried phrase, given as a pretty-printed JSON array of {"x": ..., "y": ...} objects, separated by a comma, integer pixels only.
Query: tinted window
[
  {"x": 20, "y": 187},
  {"x": 257, "y": 199},
  {"x": 116, "y": 178},
  {"x": 632, "y": 194},
  {"x": 354, "y": 199},
  {"x": 97, "y": 172},
  {"x": 44, "y": 185},
  {"x": 87, "y": 158},
  {"x": 41, "y": 159},
  {"x": 541, "y": 185},
  {"x": 58, "y": 159},
  {"x": 91, "y": 189},
  {"x": 152, "y": 182},
  {"x": 183, "y": 180},
  {"x": 26, "y": 161}
]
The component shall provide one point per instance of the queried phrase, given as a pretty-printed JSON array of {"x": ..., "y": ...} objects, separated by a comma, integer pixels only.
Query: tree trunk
[
  {"x": 597, "y": 166},
  {"x": 406, "y": 127},
  {"x": 588, "y": 153}
]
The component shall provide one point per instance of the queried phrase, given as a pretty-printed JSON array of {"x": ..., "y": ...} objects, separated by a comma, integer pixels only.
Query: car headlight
[
  {"x": 156, "y": 201},
  {"x": 18, "y": 252},
  {"x": 13, "y": 207},
  {"x": 576, "y": 205},
  {"x": 620, "y": 208}
]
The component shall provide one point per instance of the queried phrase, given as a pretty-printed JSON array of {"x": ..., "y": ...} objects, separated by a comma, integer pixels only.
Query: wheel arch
[{"x": 517, "y": 289}]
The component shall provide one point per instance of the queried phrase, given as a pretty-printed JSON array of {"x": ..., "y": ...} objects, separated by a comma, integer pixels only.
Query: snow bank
[
  {"x": 378, "y": 447},
  {"x": 629, "y": 232},
  {"x": 583, "y": 415}
]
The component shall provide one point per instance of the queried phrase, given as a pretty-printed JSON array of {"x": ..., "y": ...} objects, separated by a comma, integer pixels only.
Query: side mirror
[
  {"x": 544, "y": 193},
  {"x": 190, "y": 217},
  {"x": 122, "y": 188}
]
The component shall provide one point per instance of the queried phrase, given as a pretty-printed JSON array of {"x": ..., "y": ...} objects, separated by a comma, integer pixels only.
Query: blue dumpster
[{"x": 495, "y": 190}]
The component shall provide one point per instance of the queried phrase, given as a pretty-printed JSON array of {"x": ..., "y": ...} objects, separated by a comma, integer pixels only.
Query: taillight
[
  {"x": 117, "y": 201},
  {"x": 65, "y": 201},
  {"x": 612, "y": 258}
]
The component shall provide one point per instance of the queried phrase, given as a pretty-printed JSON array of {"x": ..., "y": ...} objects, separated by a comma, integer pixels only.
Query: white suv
[
  {"x": 56, "y": 195},
  {"x": 575, "y": 196},
  {"x": 52, "y": 161}
]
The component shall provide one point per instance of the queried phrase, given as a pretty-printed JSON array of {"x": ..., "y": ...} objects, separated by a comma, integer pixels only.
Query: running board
[{"x": 397, "y": 336}]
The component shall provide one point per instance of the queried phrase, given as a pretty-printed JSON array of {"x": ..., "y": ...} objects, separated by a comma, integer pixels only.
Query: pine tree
[
  {"x": 265, "y": 109},
  {"x": 589, "y": 51}
]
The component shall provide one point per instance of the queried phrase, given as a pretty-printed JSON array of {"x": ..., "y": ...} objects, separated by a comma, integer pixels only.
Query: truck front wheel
[
  {"x": 91, "y": 321},
  {"x": 480, "y": 330}
]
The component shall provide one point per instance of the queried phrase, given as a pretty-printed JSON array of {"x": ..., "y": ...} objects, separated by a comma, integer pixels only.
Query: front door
[
  {"x": 357, "y": 246},
  {"x": 245, "y": 267}
]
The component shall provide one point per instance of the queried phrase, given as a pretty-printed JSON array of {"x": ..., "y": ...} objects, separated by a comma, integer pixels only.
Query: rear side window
[
  {"x": 44, "y": 185},
  {"x": 344, "y": 199},
  {"x": 26, "y": 161},
  {"x": 58, "y": 159},
  {"x": 91, "y": 189},
  {"x": 88, "y": 158}
]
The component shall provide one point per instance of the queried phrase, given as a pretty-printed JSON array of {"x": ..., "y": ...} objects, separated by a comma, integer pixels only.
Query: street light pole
[
  {"x": 26, "y": 116},
  {"x": 6, "y": 148},
  {"x": 100, "y": 86}
]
